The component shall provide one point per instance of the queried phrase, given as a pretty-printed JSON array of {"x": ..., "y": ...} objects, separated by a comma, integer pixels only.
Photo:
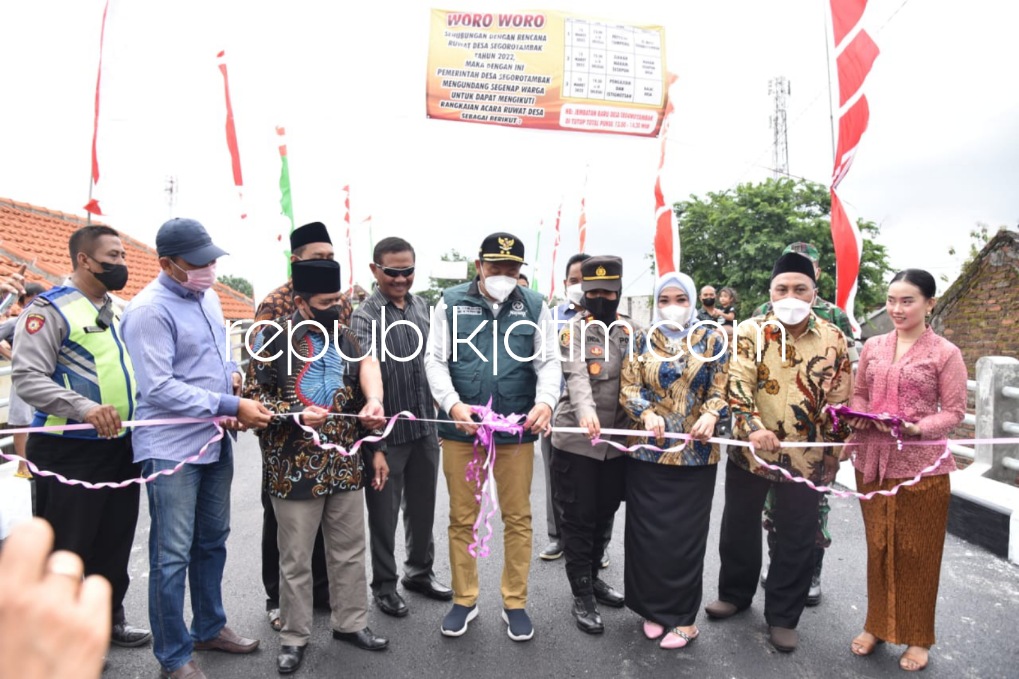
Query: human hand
[
  {"x": 105, "y": 420},
  {"x": 52, "y": 624},
  {"x": 654, "y": 423},
  {"x": 858, "y": 423},
  {"x": 238, "y": 382},
  {"x": 704, "y": 427},
  {"x": 253, "y": 414},
  {"x": 381, "y": 468},
  {"x": 910, "y": 429},
  {"x": 13, "y": 283},
  {"x": 314, "y": 416},
  {"x": 463, "y": 417},
  {"x": 765, "y": 441},
  {"x": 591, "y": 423},
  {"x": 538, "y": 419},
  {"x": 373, "y": 415},
  {"x": 232, "y": 424}
]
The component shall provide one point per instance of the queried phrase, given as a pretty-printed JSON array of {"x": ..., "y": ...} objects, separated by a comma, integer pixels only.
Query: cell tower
[
  {"x": 779, "y": 89},
  {"x": 170, "y": 190}
]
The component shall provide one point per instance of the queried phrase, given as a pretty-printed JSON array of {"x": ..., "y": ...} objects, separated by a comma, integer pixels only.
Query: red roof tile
[{"x": 38, "y": 237}]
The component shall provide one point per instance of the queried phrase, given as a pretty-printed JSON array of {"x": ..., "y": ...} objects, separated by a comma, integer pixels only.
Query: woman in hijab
[{"x": 676, "y": 382}]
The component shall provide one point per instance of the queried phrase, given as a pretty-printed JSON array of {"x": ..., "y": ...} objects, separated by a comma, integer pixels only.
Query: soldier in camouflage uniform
[{"x": 829, "y": 312}]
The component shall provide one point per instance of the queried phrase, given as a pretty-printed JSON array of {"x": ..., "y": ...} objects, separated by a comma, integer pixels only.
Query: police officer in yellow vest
[{"x": 71, "y": 365}]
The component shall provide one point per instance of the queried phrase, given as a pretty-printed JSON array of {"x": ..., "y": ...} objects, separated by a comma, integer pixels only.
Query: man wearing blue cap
[{"x": 175, "y": 333}]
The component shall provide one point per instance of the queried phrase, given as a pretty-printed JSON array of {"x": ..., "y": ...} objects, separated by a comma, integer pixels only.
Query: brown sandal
[
  {"x": 863, "y": 647},
  {"x": 911, "y": 663}
]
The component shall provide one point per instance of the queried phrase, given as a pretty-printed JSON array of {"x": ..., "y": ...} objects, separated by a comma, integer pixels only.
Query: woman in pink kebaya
[{"x": 920, "y": 377}]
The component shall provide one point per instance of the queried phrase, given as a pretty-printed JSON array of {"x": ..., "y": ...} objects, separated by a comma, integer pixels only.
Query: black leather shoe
[
  {"x": 604, "y": 593},
  {"x": 289, "y": 659},
  {"x": 392, "y": 604},
  {"x": 364, "y": 638},
  {"x": 124, "y": 634},
  {"x": 585, "y": 612},
  {"x": 431, "y": 588}
]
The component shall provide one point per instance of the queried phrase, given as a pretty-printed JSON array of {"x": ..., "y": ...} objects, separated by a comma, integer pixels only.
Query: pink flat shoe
[
  {"x": 652, "y": 630},
  {"x": 677, "y": 638}
]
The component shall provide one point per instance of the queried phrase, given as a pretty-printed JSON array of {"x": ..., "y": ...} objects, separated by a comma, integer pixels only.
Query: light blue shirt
[{"x": 177, "y": 342}]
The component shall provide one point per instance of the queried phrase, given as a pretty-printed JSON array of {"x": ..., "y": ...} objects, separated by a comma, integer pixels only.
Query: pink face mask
[{"x": 199, "y": 280}]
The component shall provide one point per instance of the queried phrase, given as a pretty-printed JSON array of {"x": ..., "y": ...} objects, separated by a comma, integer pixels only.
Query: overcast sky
[{"x": 347, "y": 81}]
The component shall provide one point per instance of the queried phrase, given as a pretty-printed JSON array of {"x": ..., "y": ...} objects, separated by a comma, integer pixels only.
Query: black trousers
[
  {"x": 792, "y": 563},
  {"x": 590, "y": 492},
  {"x": 553, "y": 509},
  {"x": 668, "y": 512},
  {"x": 97, "y": 525},
  {"x": 413, "y": 478},
  {"x": 271, "y": 562}
]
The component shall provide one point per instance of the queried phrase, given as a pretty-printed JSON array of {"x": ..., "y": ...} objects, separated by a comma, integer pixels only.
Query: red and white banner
[
  {"x": 350, "y": 242},
  {"x": 855, "y": 53}
]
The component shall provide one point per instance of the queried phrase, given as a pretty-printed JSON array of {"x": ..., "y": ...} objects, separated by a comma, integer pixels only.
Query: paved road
[{"x": 978, "y": 616}]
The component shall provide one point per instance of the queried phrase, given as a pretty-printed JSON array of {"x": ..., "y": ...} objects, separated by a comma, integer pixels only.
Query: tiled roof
[{"x": 38, "y": 237}]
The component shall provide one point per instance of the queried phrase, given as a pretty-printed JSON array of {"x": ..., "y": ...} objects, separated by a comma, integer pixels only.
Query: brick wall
[{"x": 981, "y": 317}]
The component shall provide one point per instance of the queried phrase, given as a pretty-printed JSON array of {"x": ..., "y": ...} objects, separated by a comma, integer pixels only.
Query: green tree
[
  {"x": 734, "y": 237},
  {"x": 978, "y": 238},
  {"x": 238, "y": 283},
  {"x": 437, "y": 285}
]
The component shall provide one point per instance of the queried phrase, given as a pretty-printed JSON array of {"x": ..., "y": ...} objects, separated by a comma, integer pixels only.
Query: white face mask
[
  {"x": 677, "y": 314},
  {"x": 791, "y": 311},
  {"x": 499, "y": 287},
  {"x": 575, "y": 294}
]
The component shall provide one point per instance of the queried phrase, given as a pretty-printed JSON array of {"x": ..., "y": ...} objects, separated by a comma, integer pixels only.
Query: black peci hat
[
  {"x": 314, "y": 232},
  {"x": 793, "y": 262},
  {"x": 316, "y": 276}
]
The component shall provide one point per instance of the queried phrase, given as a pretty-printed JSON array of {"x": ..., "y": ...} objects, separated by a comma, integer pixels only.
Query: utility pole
[
  {"x": 170, "y": 190},
  {"x": 779, "y": 89}
]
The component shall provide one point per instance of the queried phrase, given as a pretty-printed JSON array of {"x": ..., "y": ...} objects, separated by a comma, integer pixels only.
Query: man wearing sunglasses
[
  {"x": 71, "y": 366},
  {"x": 397, "y": 322}
]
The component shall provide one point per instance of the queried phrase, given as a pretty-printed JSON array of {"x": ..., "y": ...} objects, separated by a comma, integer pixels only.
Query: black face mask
[
  {"x": 708, "y": 301},
  {"x": 603, "y": 309},
  {"x": 327, "y": 317},
  {"x": 113, "y": 276}
]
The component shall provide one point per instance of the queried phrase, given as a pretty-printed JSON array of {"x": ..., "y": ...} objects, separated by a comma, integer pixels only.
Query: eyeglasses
[{"x": 396, "y": 273}]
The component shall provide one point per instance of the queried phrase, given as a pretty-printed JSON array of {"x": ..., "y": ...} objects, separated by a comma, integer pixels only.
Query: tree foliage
[
  {"x": 437, "y": 285},
  {"x": 238, "y": 283},
  {"x": 734, "y": 237}
]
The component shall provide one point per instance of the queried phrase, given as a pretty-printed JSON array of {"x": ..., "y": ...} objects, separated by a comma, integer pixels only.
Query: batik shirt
[
  {"x": 788, "y": 395},
  {"x": 293, "y": 467},
  {"x": 679, "y": 390}
]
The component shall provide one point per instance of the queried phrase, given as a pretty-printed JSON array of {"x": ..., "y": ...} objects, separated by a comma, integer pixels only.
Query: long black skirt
[{"x": 668, "y": 511}]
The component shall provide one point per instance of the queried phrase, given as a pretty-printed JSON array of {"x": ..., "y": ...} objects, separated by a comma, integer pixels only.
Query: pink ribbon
[
  {"x": 142, "y": 480},
  {"x": 478, "y": 471},
  {"x": 373, "y": 438}
]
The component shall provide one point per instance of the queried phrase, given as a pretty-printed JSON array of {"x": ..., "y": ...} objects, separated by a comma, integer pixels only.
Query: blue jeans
[{"x": 190, "y": 521}]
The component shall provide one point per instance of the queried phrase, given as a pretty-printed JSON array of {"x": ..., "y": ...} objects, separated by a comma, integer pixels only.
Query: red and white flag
[
  {"x": 855, "y": 53},
  {"x": 93, "y": 203},
  {"x": 667, "y": 246},
  {"x": 555, "y": 250},
  {"x": 231, "y": 135}
]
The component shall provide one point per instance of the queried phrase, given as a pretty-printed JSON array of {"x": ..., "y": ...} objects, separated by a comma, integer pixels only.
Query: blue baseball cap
[{"x": 187, "y": 239}]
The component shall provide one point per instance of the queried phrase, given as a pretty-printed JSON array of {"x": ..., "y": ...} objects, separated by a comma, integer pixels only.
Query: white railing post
[{"x": 994, "y": 409}]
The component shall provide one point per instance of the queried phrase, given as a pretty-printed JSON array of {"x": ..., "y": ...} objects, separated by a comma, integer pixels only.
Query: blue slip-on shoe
[
  {"x": 519, "y": 627},
  {"x": 456, "y": 621}
]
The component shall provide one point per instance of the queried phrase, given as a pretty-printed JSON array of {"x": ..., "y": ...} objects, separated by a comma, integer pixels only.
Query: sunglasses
[{"x": 396, "y": 273}]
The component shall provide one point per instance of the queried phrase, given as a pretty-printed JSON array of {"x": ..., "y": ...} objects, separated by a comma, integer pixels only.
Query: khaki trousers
[
  {"x": 514, "y": 465},
  {"x": 341, "y": 517}
]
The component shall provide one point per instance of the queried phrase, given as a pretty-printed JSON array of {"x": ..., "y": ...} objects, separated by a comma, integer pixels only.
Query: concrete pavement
[{"x": 977, "y": 625}]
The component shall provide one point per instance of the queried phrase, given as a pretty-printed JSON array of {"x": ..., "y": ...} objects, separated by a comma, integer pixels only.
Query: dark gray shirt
[{"x": 405, "y": 386}]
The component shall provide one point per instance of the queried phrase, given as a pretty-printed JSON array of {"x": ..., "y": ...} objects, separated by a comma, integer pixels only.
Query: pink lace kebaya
[{"x": 926, "y": 386}]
